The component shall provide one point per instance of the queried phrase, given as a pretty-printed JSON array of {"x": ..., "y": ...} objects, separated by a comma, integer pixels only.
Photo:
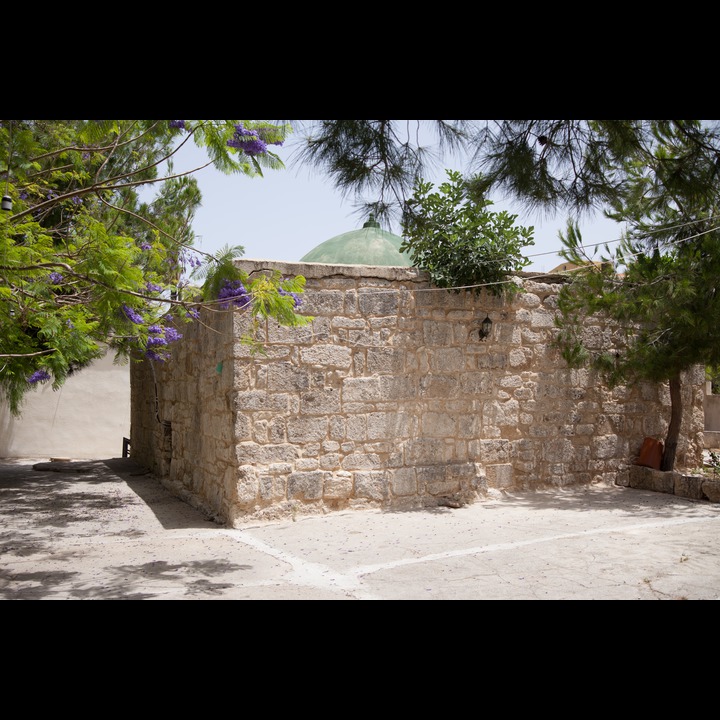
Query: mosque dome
[{"x": 370, "y": 245}]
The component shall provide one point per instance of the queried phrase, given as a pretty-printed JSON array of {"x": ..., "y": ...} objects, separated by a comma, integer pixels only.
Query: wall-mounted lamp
[
  {"x": 485, "y": 327},
  {"x": 6, "y": 202}
]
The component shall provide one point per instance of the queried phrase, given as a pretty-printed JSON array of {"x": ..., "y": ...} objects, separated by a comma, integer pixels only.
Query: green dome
[{"x": 370, "y": 245}]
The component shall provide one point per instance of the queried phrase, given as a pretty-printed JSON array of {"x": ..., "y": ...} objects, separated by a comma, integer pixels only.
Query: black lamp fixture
[
  {"x": 485, "y": 328},
  {"x": 6, "y": 202}
]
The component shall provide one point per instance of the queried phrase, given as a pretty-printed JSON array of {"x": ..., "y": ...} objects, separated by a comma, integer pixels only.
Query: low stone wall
[
  {"x": 694, "y": 487},
  {"x": 390, "y": 399}
]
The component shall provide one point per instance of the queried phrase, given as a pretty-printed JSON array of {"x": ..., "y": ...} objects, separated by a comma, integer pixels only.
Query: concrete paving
[{"x": 107, "y": 530}]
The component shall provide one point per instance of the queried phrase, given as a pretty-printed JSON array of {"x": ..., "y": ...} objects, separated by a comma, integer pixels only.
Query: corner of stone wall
[{"x": 177, "y": 489}]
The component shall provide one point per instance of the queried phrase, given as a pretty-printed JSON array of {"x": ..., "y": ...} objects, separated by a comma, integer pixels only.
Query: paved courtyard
[{"x": 106, "y": 530}]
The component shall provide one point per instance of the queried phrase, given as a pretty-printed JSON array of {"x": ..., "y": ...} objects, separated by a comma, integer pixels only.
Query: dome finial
[{"x": 372, "y": 222}]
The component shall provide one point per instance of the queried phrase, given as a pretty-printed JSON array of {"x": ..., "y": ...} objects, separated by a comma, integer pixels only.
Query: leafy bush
[{"x": 459, "y": 242}]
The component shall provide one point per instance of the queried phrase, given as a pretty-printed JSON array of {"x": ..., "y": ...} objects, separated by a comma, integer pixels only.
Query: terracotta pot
[{"x": 651, "y": 453}]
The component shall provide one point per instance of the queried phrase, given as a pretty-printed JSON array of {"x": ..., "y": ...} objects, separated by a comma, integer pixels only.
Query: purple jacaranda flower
[
  {"x": 252, "y": 142},
  {"x": 295, "y": 296},
  {"x": 171, "y": 334},
  {"x": 145, "y": 246},
  {"x": 193, "y": 313},
  {"x": 152, "y": 287},
  {"x": 241, "y": 130},
  {"x": 132, "y": 315},
  {"x": 152, "y": 355},
  {"x": 77, "y": 200},
  {"x": 177, "y": 124},
  {"x": 153, "y": 341},
  {"x": 55, "y": 278},
  {"x": 254, "y": 146},
  {"x": 155, "y": 329},
  {"x": 39, "y": 376},
  {"x": 235, "y": 290}
]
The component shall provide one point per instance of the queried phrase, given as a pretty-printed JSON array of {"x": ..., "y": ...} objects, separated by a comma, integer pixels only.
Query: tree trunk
[{"x": 673, "y": 433}]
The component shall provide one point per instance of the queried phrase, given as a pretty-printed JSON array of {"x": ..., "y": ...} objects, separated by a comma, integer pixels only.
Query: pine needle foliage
[
  {"x": 379, "y": 161},
  {"x": 659, "y": 287},
  {"x": 584, "y": 165}
]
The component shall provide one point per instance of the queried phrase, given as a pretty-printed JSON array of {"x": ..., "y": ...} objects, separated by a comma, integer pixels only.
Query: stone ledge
[{"x": 694, "y": 487}]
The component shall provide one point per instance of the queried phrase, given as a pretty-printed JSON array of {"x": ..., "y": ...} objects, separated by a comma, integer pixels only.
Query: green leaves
[
  {"x": 265, "y": 295},
  {"x": 85, "y": 264},
  {"x": 659, "y": 288},
  {"x": 453, "y": 236}
]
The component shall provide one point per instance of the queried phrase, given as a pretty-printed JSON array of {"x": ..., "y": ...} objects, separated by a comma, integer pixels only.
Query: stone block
[
  {"x": 688, "y": 486},
  {"x": 711, "y": 490},
  {"x": 371, "y": 485},
  {"x": 645, "y": 478},
  {"x": 499, "y": 476},
  {"x": 247, "y": 484},
  {"x": 443, "y": 487},
  {"x": 338, "y": 486},
  {"x": 711, "y": 439},
  {"x": 306, "y": 485},
  {"x": 378, "y": 303},
  {"x": 327, "y": 355},
  {"x": 404, "y": 482}
]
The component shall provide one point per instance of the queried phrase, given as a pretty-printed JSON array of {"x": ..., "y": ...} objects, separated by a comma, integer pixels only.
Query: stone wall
[{"x": 389, "y": 399}]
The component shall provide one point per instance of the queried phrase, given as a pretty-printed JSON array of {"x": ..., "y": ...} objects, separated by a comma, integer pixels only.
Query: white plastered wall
[{"x": 87, "y": 418}]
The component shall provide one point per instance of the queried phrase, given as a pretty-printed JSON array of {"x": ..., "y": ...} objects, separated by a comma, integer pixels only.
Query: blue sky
[{"x": 286, "y": 213}]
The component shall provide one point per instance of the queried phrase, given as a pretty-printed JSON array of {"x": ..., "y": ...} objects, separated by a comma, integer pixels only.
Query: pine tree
[{"x": 660, "y": 285}]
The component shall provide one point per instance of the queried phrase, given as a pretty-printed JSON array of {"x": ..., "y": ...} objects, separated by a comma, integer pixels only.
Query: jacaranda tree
[{"x": 86, "y": 264}]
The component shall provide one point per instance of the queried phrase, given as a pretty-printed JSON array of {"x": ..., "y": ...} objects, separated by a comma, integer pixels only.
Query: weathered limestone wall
[
  {"x": 389, "y": 399},
  {"x": 182, "y": 414}
]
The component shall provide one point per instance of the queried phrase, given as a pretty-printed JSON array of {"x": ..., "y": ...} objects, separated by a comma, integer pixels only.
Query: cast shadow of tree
[{"x": 148, "y": 581}]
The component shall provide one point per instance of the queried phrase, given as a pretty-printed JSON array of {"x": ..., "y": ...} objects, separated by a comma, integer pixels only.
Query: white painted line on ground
[
  {"x": 306, "y": 573},
  {"x": 369, "y": 569},
  {"x": 320, "y": 576}
]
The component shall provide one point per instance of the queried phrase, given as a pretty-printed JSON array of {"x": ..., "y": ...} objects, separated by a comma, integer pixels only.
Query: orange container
[{"x": 651, "y": 453}]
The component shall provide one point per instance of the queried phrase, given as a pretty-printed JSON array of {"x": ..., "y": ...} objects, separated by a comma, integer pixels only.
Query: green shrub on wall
[{"x": 459, "y": 242}]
